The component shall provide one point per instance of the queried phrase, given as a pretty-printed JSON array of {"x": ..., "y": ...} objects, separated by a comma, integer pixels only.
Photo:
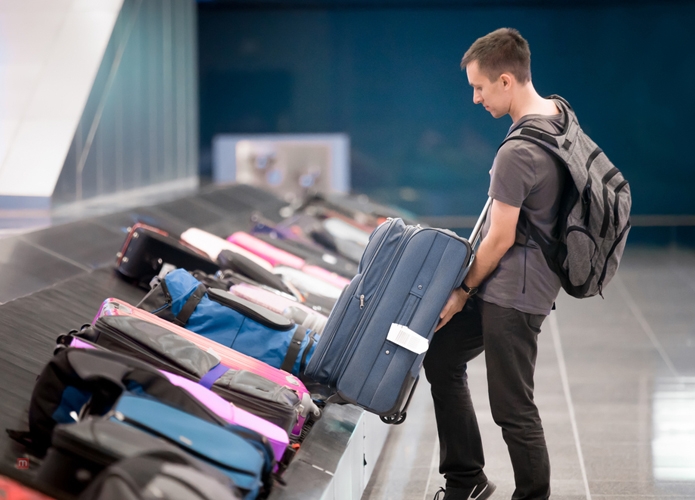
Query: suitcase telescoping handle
[{"x": 477, "y": 229}]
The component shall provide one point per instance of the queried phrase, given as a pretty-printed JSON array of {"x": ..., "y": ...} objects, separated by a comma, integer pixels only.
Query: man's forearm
[
  {"x": 487, "y": 259},
  {"x": 499, "y": 239}
]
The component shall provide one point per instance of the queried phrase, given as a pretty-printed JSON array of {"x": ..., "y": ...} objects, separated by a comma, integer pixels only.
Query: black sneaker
[{"x": 480, "y": 492}]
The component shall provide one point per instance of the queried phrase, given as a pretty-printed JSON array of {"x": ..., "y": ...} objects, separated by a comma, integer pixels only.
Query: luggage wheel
[
  {"x": 395, "y": 419},
  {"x": 399, "y": 418}
]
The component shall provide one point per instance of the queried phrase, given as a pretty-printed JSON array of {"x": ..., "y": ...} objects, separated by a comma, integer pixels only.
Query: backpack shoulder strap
[
  {"x": 558, "y": 145},
  {"x": 564, "y": 101}
]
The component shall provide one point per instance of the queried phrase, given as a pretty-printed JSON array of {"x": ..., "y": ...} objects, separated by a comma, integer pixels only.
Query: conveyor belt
[
  {"x": 28, "y": 329},
  {"x": 54, "y": 279}
]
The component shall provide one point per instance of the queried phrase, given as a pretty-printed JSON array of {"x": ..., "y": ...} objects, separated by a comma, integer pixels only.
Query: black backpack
[
  {"x": 594, "y": 216},
  {"x": 162, "y": 475}
]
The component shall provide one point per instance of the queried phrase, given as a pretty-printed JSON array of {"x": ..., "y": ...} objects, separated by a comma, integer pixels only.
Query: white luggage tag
[{"x": 405, "y": 337}]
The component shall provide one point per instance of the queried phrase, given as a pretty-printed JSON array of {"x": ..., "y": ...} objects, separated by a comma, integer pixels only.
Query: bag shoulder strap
[
  {"x": 556, "y": 144},
  {"x": 294, "y": 349},
  {"x": 189, "y": 307}
]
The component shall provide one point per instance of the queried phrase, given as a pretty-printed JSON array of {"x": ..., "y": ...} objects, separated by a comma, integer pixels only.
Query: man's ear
[{"x": 506, "y": 80}]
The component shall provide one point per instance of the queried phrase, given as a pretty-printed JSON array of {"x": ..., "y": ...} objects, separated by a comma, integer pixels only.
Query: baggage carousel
[{"x": 54, "y": 279}]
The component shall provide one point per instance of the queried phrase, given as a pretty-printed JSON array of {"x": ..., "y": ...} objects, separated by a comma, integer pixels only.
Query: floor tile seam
[
  {"x": 433, "y": 462},
  {"x": 419, "y": 467},
  {"x": 590, "y": 443},
  {"x": 555, "y": 333},
  {"x": 646, "y": 327},
  {"x": 658, "y": 497},
  {"x": 651, "y": 483},
  {"x": 688, "y": 283},
  {"x": 54, "y": 254}
]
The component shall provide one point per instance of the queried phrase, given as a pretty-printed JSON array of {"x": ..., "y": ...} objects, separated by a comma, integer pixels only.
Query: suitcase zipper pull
[{"x": 361, "y": 301}]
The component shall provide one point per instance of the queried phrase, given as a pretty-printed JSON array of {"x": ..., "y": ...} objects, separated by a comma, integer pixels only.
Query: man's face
[{"x": 492, "y": 95}]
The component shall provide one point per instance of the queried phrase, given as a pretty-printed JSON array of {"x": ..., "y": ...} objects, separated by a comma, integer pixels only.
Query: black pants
[{"x": 510, "y": 339}]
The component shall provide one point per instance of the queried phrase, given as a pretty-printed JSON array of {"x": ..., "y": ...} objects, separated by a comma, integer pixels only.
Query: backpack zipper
[
  {"x": 610, "y": 254},
  {"x": 616, "y": 212}
]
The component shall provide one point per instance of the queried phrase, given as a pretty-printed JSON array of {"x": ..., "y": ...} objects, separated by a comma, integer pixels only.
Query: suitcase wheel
[{"x": 395, "y": 419}]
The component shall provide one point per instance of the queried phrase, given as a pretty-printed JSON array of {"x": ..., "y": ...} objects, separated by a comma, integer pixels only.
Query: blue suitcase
[{"x": 374, "y": 342}]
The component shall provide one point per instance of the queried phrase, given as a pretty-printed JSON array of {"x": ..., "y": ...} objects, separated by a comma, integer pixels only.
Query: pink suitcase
[
  {"x": 277, "y": 437},
  {"x": 280, "y": 304},
  {"x": 228, "y": 357},
  {"x": 266, "y": 251},
  {"x": 213, "y": 245},
  {"x": 327, "y": 276}
]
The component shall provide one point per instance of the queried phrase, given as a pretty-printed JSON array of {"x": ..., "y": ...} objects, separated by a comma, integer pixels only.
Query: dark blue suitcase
[{"x": 374, "y": 342}]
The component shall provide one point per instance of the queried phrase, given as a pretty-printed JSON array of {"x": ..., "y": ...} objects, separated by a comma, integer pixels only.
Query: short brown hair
[{"x": 503, "y": 50}]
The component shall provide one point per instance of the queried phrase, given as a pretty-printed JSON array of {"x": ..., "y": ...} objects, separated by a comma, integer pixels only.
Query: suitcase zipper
[
  {"x": 410, "y": 232},
  {"x": 381, "y": 243},
  {"x": 331, "y": 336}
]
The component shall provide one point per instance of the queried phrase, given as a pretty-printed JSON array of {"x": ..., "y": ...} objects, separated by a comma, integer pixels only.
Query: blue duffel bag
[
  {"x": 232, "y": 321},
  {"x": 239, "y": 453}
]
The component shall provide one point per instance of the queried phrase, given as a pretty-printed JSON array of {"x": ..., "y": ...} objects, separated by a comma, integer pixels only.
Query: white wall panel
[{"x": 50, "y": 52}]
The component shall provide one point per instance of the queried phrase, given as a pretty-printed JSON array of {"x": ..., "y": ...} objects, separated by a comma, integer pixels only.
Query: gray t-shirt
[{"x": 524, "y": 175}]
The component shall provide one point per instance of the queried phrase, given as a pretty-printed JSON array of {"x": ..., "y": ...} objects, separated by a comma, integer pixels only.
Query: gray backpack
[{"x": 594, "y": 216}]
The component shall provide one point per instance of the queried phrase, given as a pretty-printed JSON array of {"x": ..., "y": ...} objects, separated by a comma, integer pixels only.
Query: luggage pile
[{"x": 210, "y": 384}]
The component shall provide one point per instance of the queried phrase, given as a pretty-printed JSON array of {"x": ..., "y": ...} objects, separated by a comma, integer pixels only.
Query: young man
[{"x": 509, "y": 290}]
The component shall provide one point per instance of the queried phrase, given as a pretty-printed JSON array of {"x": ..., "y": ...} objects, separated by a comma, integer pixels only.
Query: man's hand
[{"x": 453, "y": 306}]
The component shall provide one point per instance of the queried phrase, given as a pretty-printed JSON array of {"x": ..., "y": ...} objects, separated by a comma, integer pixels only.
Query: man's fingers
[
  {"x": 445, "y": 311},
  {"x": 443, "y": 321},
  {"x": 447, "y": 307},
  {"x": 450, "y": 309}
]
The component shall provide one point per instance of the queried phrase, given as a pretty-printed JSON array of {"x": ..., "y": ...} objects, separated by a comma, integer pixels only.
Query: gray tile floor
[{"x": 615, "y": 384}]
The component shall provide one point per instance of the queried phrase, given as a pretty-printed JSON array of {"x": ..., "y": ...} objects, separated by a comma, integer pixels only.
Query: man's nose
[{"x": 476, "y": 98}]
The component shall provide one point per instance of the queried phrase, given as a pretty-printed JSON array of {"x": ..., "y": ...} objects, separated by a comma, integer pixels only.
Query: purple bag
[{"x": 277, "y": 437}]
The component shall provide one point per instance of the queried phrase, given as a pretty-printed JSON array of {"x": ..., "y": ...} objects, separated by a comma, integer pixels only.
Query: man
[{"x": 515, "y": 287}]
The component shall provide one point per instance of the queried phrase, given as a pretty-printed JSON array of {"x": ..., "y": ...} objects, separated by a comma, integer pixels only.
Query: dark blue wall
[{"x": 390, "y": 78}]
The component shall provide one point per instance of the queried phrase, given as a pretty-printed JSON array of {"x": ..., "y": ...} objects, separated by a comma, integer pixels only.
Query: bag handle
[{"x": 256, "y": 312}]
